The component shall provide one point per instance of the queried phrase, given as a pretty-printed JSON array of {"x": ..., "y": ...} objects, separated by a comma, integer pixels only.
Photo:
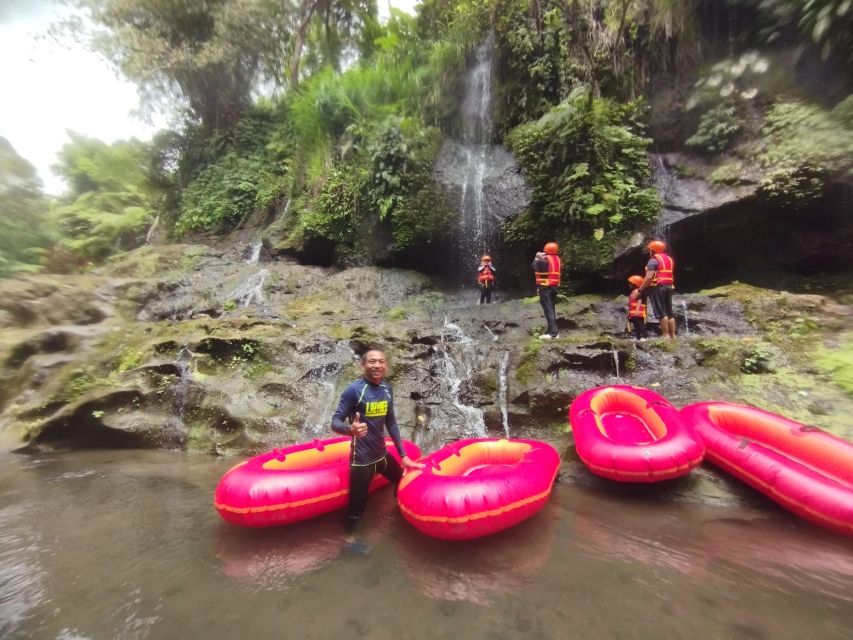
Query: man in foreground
[{"x": 368, "y": 404}]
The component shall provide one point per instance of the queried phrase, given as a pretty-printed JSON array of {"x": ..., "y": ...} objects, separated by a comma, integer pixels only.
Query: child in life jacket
[
  {"x": 637, "y": 308},
  {"x": 486, "y": 279}
]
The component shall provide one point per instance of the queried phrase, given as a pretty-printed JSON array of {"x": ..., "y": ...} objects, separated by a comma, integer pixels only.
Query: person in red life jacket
[
  {"x": 486, "y": 279},
  {"x": 546, "y": 265},
  {"x": 660, "y": 283},
  {"x": 637, "y": 308}
]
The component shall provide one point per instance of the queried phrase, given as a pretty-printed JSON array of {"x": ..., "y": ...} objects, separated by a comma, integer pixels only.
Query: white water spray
[
  {"x": 321, "y": 405},
  {"x": 152, "y": 229},
  {"x": 251, "y": 290},
  {"x": 472, "y": 422},
  {"x": 491, "y": 333},
  {"x": 502, "y": 391},
  {"x": 255, "y": 254},
  {"x": 686, "y": 322},
  {"x": 477, "y": 234}
]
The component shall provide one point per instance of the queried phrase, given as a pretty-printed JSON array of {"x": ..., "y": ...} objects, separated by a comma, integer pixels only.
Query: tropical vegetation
[{"x": 326, "y": 123}]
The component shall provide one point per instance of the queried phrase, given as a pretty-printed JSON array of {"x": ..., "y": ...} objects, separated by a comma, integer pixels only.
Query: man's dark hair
[{"x": 368, "y": 349}]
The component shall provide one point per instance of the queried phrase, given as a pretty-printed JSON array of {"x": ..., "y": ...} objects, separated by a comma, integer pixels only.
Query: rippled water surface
[{"x": 126, "y": 544}]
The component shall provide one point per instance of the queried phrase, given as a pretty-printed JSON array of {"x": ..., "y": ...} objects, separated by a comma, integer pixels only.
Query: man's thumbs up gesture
[{"x": 357, "y": 427}]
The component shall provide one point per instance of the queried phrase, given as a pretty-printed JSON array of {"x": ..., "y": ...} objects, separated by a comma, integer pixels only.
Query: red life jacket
[
  {"x": 636, "y": 309},
  {"x": 550, "y": 278},
  {"x": 665, "y": 274},
  {"x": 486, "y": 275}
]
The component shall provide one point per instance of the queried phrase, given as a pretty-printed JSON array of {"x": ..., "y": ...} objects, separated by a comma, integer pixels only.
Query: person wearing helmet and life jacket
[
  {"x": 637, "y": 309},
  {"x": 660, "y": 283},
  {"x": 546, "y": 267},
  {"x": 486, "y": 279}
]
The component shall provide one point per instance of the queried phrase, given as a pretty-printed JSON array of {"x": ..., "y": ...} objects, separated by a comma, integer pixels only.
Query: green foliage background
[{"x": 339, "y": 153}]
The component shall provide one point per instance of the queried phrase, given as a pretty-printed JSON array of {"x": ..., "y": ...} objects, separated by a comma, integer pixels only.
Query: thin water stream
[{"x": 126, "y": 544}]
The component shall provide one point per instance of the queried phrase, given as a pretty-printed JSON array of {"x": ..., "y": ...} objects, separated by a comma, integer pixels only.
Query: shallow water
[{"x": 126, "y": 544}]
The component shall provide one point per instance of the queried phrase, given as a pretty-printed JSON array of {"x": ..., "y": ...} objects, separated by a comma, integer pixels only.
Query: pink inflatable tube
[
  {"x": 476, "y": 487},
  {"x": 801, "y": 467},
  {"x": 631, "y": 434},
  {"x": 292, "y": 484}
]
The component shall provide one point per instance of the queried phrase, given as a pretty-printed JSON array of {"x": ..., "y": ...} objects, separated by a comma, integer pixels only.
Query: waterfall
[
  {"x": 255, "y": 253},
  {"x": 251, "y": 290},
  {"x": 663, "y": 180},
  {"x": 322, "y": 402},
  {"x": 478, "y": 233},
  {"x": 456, "y": 368},
  {"x": 686, "y": 323},
  {"x": 483, "y": 178},
  {"x": 181, "y": 388},
  {"x": 615, "y": 360},
  {"x": 502, "y": 391},
  {"x": 491, "y": 333},
  {"x": 320, "y": 386},
  {"x": 152, "y": 229}
]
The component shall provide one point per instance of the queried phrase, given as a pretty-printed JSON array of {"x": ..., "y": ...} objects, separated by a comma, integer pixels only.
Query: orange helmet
[
  {"x": 656, "y": 246},
  {"x": 552, "y": 248},
  {"x": 486, "y": 259},
  {"x": 636, "y": 280}
]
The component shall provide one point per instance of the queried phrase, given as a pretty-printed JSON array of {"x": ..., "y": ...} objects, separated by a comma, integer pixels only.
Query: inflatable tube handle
[{"x": 319, "y": 445}]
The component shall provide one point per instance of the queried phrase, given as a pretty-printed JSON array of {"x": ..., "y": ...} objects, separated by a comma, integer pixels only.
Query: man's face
[{"x": 374, "y": 366}]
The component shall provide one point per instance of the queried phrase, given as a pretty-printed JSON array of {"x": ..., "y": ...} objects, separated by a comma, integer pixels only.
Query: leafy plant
[
  {"x": 586, "y": 162},
  {"x": 757, "y": 359},
  {"x": 806, "y": 146},
  {"x": 717, "y": 128}
]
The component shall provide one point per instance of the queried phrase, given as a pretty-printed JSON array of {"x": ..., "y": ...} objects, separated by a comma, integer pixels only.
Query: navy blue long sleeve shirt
[{"x": 375, "y": 404}]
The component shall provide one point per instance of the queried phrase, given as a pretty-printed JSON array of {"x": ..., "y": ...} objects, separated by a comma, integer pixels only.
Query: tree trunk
[{"x": 306, "y": 12}]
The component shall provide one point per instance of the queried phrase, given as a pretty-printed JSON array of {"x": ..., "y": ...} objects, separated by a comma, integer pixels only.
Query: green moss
[
  {"x": 397, "y": 313},
  {"x": 684, "y": 171},
  {"x": 79, "y": 382},
  {"x": 258, "y": 370},
  {"x": 795, "y": 395},
  {"x": 838, "y": 361},
  {"x": 126, "y": 359},
  {"x": 727, "y": 174},
  {"x": 527, "y": 367}
]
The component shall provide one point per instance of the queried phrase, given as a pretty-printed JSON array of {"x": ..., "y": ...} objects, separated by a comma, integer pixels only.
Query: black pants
[
  {"x": 360, "y": 478},
  {"x": 486, "y": 293},
  {"x": 548, "y": 299},
  {"x": 639, "y": 326},
  {"x": 661, "y": 299}
]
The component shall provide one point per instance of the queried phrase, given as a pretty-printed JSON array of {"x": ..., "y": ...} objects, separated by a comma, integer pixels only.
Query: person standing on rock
[
  {"x": 486, "y": 279},
  {"x": 660, "y": 283},
  {"x": 368, "y": 405},
  {"x": 637, "y": 308},
  {"x": 547, "y": 267}
]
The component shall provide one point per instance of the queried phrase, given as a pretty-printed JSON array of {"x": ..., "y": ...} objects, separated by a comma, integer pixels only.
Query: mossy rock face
[
  {"x": 835, "y": 357},
  {"x": 271, "y": 373},
  {"x": 156, "y": 261}
]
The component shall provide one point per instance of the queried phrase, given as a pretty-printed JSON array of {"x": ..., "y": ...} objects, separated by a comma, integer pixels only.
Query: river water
[{"x": 126, "y": 545}]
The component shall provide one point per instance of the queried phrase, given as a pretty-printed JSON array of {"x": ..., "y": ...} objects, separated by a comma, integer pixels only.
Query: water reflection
[
  {"x": 270, "y": 558},
  {"x": 479, "y": 571},
  {"x": 780, "y": 556},
  {"x": 774, "y": 552}
]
